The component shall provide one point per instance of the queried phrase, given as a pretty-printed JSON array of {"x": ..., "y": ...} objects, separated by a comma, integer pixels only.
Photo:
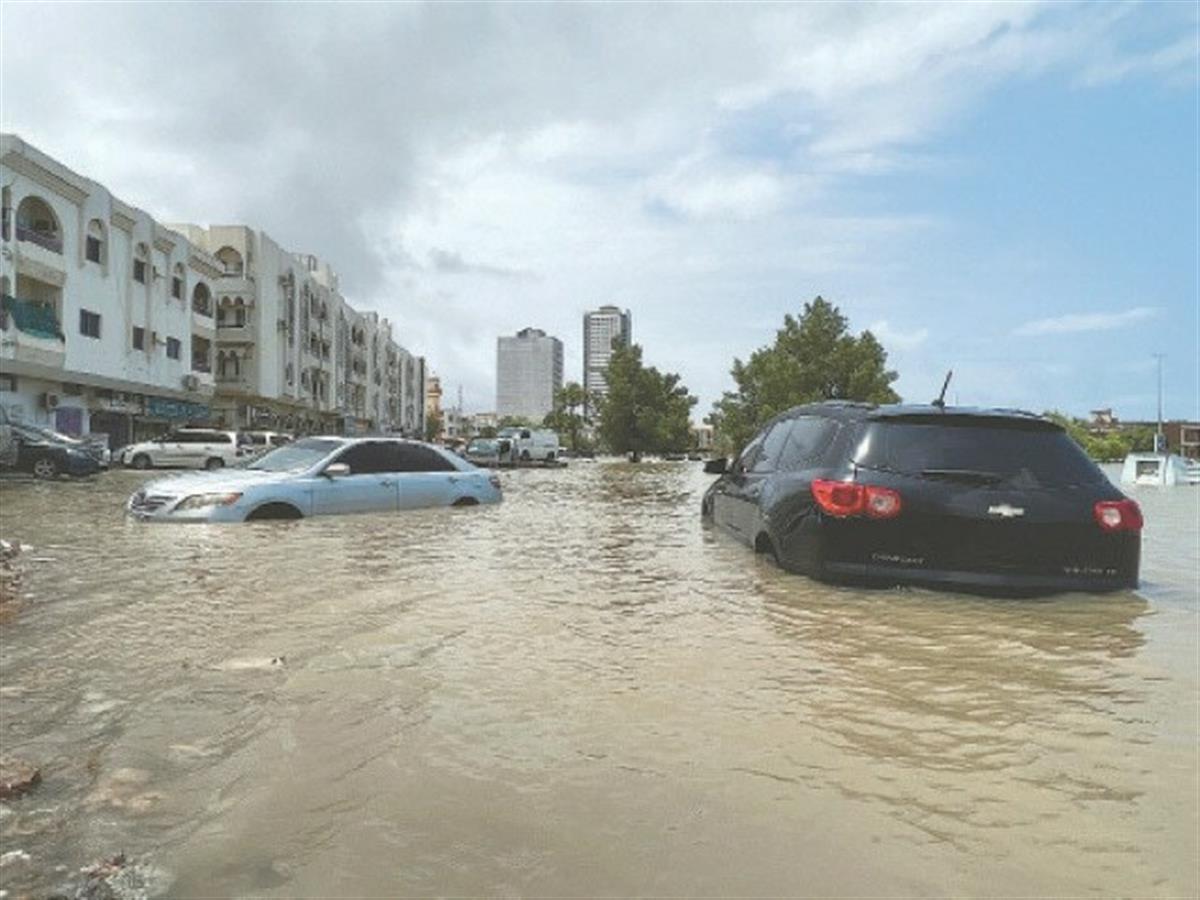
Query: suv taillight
[
  {"x": 843, "y": 499},
  {"x": 1118, "y": 515}
]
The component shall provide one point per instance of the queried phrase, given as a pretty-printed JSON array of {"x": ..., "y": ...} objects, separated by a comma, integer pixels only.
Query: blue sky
[{"x": 1008, "y": 190}]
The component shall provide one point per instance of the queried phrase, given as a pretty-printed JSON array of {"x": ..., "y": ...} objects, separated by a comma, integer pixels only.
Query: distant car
[
  {"x": 260, "y": 440},
  {"x": 988, "y": 500},
  {"x": 47, "y": 454},
  {"x": 320, "y": 476},
  {"x": 494, "y": 452},
  {"x": 187, "y": 448}
]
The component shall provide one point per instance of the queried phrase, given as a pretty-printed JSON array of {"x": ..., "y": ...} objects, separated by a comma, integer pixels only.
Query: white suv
[{"x": 190, "y": 448}]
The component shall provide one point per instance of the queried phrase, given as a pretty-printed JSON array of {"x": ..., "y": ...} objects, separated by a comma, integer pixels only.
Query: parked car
[
  {"x": 263, "y": 440},
  {"x": 495, "y": 452},
  {"x": 320, "y": 476},
  {"x": 189, "y": 448},
  {"x": 987, "y": 500},
  {"x": 47, "y": 454}
]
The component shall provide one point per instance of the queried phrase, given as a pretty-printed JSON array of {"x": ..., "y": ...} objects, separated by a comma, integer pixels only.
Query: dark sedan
[
  {"x": 47, "y": 454},
  {"x": 988, "y": 500}
]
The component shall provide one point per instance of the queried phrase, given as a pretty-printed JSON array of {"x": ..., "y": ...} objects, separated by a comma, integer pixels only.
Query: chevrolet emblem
[{"x": 1006, "y": 511}]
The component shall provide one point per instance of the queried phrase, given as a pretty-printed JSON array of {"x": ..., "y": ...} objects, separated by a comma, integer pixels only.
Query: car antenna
[{"x": 940, "y": 402}]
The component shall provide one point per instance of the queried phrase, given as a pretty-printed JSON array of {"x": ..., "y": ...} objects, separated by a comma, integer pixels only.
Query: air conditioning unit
[
  {"x": 49, "y": 401},
  {"x": 191, "y": 382}
]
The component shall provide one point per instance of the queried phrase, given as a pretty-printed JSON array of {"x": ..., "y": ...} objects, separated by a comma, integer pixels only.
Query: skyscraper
[
  {"x": 529, "y": 370},
  {"x": 601, "y": 328}
]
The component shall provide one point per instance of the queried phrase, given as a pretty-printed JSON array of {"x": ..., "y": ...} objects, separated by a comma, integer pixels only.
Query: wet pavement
[{"x": 581, "y": 691}]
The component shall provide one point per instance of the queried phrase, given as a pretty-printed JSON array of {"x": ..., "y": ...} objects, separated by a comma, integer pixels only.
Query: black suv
[{"x": 979, "y": 499}]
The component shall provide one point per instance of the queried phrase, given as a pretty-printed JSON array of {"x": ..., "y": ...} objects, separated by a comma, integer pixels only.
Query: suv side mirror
[
  {"x": 336, "y": 470},
  {"x": 717, "y": 466}
]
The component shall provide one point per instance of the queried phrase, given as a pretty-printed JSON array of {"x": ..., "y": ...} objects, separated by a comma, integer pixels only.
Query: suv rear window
[{"x": 1019, "y": 454}]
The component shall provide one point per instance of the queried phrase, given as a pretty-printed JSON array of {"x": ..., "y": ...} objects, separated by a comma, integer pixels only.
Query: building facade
[
  {"x": 107, "y": 321},
  {"x": 603, "y": 329},
  {"x": 114, "y": 324},
  {"x": 529, "y": 372}
]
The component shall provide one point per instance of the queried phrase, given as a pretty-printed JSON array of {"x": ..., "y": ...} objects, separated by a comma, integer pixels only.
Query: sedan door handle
[{"x": 387, "y": 482}]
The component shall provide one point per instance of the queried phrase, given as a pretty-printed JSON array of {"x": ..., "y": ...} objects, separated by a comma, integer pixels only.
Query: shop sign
[{"x": 175, "y": 410}]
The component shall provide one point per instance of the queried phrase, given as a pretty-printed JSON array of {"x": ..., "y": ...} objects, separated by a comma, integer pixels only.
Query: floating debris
[{"x": 17, "y": 776}]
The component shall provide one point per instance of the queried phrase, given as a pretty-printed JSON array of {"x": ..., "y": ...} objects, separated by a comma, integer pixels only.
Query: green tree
[
  {"x": 814, "y": 358},
  {"x": 566, "y": 418},
  {"x": 645, "y": 411},
  {"x": 433, "y": 426},
  {"x": 1110, "y": 445},
  {"x": 515, "y": 422}
]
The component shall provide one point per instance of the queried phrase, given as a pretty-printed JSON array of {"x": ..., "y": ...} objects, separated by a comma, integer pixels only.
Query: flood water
[{"x": 582, "y": 691}]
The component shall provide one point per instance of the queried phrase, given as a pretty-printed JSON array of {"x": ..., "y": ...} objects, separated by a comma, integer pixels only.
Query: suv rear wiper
[{"x": 972, "y": 476}]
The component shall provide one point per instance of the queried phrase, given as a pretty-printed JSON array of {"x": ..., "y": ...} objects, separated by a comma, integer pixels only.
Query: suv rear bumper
[{"x": 980, "y": 582}]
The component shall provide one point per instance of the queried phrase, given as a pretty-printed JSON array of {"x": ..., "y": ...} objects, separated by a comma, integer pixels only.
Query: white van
[
  {"x": 188, "y": 448},
  {"x": 533, "y": 444}
]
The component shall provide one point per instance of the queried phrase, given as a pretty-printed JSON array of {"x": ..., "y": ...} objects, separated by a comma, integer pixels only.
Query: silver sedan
[{"x": 320, "y": 476}]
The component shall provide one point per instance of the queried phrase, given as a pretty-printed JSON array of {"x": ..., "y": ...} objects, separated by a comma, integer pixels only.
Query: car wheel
[
  {"x": 214, "y": 462},
  {"x": 274, "y": 511},
  {"x": 549, "y": 457},
  {"x": 45, "y": 467},
  {"x": 141, "y": 461},
  {"x": 525, "y": 456},
  {"x": 465, "y": 501}
]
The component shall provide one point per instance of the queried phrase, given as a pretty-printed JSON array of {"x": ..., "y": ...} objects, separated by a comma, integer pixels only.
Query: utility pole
[{"x": 1160, "y": 443}]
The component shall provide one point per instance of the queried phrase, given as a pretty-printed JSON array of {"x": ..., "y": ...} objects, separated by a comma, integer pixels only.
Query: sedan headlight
[{"x": 203, "y": 501}]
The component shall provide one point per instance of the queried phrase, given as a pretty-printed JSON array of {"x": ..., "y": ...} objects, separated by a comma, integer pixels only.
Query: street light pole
[{"x": 1159, "y": 442}]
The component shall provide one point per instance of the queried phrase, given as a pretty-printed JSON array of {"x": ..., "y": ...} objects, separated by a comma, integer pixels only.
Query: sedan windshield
[{"x": 302, "y": 454}]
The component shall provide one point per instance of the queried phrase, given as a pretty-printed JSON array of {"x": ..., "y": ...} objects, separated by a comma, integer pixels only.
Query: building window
[
  {"x": 139, "y": 338},
  {"x": 93, "y": 249},
  {"x": 89, "y": 323},
  {"x": 139, "y": 271},
  {"x": 172, "y": 348},
  {"x": 177, "y": 288}
]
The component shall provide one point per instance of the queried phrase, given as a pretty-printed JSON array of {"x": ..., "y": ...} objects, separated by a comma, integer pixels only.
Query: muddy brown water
[{"x": 582, "y": 691}]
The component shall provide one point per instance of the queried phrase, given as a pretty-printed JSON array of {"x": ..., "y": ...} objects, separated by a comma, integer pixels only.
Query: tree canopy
[
  {"x": 646, "y": 411},
  {"x": 814, "y": 358},
  {"x": 567, "y": 417},
  {"x": 1107, "y": 446}
]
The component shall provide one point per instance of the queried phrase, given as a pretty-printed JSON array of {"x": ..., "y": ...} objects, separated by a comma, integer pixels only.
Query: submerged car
[
  {"x": 996, "y": 501},
  {"x": 48, "y": 454},
  {"x": 320, "y": 476}
]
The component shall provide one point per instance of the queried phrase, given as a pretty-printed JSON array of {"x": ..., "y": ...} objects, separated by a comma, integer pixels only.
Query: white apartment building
[
  {"x": 106, "y": 322},
  {"x": 113, "y": 323},
  {"x": 292, "y": 354},
  {"x": 601, "y": 328},
  {"x": 529, "y": 371}
]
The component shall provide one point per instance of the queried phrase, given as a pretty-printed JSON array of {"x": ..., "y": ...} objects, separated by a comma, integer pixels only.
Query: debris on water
[
  {"x": 123, "y": 789},
  {"x": 119, "y": 878},
  {"x": 14, "y": 856},
  {"x": 252, "y": 664},
  {"x": 17, "y": 776},
  {"x": 10, "y": 574}
]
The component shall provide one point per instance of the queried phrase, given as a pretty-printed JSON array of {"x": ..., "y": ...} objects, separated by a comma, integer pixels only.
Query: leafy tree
[
  {"x": 1111, "y": 445},
  {"x": 566, "y": 419},
  {"x": 487, "y": 431},
  {"x": 814, "y": 358},
  {"x": 516, "y": 422},
  {"x": 433, "y": 426},
  {"x": 646, "y": 411}
]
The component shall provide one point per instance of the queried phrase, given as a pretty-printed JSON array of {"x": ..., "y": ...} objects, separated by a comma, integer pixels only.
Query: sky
[{"x": 1006, "y": 190}]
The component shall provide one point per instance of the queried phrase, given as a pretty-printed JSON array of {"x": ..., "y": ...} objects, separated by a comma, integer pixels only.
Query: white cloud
[
  {"x": 893, "y": 337},
  {"x": 1077, "y": 322}
]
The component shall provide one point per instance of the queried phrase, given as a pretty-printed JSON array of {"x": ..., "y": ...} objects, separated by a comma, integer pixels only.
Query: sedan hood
[{"x": 214, "y": 482}]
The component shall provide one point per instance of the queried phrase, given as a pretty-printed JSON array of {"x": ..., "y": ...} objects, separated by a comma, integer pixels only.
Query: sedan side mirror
[
  {"x": 717, "y": 466},
  {"x": 336, "y": 470}
]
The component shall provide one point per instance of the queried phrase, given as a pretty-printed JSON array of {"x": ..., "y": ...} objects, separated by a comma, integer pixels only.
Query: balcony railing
[
  {"x": 49, "y": 240},
  {"x": 33, "y": 317}
]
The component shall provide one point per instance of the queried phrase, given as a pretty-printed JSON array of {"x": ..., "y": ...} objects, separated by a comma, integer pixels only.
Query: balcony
[
  {"x": 230, "y": 332},
  {"x": 30, "y": 332},
  {"x": 48, "y": 240}
]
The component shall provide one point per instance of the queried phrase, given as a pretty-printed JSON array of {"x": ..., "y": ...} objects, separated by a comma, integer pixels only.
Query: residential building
[
  {"x": 106, "y": 322},
  {"x": 603, "y": 329},
  {"x": 702, "y": 436},
  {"x": 529, "y": 372},
  {"x": 116, "y": 324},
  {"x": 433, "y": 399}
]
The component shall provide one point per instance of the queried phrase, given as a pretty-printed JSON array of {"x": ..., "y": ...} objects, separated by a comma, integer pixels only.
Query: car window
[
  {"x": 1019, "y": 455},
  {"x": 772, "y": 447},
  {"x": 747, "y": 457},
  {"x": 810, "y": 437},
  {"x": 415, "y": 458},
  {"x": 191, "y": 437},
  {"x": 369, "y": 458},
  {"x": 300, "y": 455}
]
